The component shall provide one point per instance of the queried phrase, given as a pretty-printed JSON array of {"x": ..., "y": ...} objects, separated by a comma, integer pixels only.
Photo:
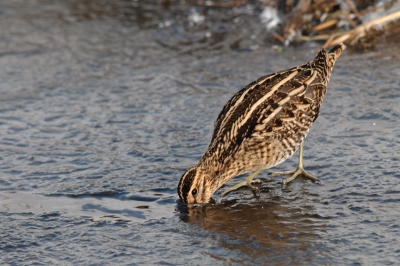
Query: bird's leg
[
  {"x": 299, "y": 171},
  {"x": 246, "y": 182}
]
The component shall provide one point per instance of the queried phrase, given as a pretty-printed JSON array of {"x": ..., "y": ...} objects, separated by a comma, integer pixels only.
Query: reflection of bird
[
  {"x": 279, "y": 225},
  {"x": 260, "y": 127}
]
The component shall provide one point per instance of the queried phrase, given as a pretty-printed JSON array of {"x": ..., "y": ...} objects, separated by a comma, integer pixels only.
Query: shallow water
[{"x": 104, "y": 106}]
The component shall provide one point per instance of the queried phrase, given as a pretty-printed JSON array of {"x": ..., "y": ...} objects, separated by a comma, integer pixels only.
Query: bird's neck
[{"x": 217, "y": 176}]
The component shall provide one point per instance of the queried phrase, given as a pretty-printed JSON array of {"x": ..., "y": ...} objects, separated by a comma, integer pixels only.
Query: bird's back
[{"x": 264, "y": 123}]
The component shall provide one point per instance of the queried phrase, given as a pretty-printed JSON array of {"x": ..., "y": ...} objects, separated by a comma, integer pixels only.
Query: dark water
[{"x": 104, "y": 104}]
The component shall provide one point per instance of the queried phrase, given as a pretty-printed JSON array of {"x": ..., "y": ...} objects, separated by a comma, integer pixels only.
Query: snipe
[{"x": 261, "y": 126}]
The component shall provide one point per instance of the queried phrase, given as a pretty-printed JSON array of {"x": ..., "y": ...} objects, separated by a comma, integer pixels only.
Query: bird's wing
[{"x": 257, "y": 108}]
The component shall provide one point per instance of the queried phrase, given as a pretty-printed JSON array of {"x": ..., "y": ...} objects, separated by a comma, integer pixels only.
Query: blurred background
[{"x": 105, "y": 104}]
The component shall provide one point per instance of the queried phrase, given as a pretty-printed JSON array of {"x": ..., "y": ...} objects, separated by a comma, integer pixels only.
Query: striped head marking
[{"x": 194, "y": 187}]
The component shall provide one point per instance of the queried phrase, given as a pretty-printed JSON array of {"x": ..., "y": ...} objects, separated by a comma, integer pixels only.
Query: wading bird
[{"x": 260, "y": 127}]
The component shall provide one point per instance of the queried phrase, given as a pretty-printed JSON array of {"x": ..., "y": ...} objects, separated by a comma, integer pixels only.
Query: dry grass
[
  {"x": 331, "y": 21},
  {"x": 328, "y": 17}
]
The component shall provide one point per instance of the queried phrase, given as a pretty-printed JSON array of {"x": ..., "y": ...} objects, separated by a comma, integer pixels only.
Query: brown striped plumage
[{"x": 261, "y": 126}]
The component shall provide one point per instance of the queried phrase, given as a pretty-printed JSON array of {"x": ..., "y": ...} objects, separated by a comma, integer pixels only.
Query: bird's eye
[{"x": 194, "y": 192}]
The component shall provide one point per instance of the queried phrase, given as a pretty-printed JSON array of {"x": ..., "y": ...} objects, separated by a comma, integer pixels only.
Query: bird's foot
[
  {"x": 296, "y": 173},
  {"x": 242, "y": 184}
]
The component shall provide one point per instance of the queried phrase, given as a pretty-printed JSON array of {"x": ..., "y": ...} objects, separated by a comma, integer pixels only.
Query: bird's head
[{"x": 195, "y": 186}]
